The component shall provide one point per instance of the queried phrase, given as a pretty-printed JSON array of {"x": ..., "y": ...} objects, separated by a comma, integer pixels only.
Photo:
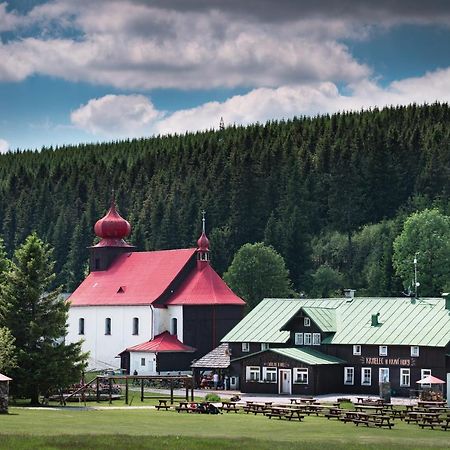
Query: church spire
[{"x": 203, "y": 242}]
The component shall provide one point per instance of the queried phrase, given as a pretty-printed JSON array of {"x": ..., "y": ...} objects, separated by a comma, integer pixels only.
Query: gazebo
[
  {"x": 432, "y": 394},
  {"x": 4, "y": 392}
]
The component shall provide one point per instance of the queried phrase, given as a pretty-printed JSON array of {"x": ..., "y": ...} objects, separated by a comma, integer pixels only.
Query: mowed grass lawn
[{"x": 140, "y": 429}]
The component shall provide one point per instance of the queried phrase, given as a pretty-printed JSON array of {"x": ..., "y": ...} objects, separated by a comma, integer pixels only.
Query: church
[{"x": 149, "y": 312}]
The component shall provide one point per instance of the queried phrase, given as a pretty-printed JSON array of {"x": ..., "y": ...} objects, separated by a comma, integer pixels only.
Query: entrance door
[{"x": 285, "y": 386}]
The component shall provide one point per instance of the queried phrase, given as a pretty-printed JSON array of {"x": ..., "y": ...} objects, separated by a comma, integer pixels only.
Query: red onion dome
[
  {"x": 112, "y": 225},
  {"x": 203, "y": 243}
]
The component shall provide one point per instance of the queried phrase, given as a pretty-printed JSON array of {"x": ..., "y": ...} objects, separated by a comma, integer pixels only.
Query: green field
[{"x": 147, "y": 428}]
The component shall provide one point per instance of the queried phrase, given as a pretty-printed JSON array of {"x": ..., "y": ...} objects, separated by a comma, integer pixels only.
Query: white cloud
[
  {"x": 4, "y": 146},
  {"x": 132, "y": 45},
  {"x": 116, "y": 116}
]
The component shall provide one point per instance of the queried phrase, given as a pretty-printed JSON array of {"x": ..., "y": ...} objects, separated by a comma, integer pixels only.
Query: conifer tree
[{"x": 37, "y": 320}]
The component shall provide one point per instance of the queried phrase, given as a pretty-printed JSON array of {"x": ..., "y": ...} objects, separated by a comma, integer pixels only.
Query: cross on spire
[{"x": 203, "y": 220}]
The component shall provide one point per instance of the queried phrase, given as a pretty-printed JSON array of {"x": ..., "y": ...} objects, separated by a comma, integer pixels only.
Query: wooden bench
[{"x": 445, "y": 423}]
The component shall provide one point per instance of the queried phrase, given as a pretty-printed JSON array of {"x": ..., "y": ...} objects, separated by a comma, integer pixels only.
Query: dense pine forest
[{"x": 329, "y": 193}]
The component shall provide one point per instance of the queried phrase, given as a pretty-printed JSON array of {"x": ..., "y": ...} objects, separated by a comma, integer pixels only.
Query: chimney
[
  {"x": 375, "y": 321},
  {"x": 349, "y": 293},
  {"x": 447, "y": 300}
]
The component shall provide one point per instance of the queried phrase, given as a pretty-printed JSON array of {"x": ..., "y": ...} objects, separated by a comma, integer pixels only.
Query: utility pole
[{"x": 416, "y": 283}]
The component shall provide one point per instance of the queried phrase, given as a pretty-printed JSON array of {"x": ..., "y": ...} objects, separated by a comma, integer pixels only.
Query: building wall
[
  {"x": 149, "y": 360},
  {"x": 321, "y": 379},
  {"x": 102, "y": 348},
  {"x": 205, "y": 326},
  {"x": 164, "y": 316}
]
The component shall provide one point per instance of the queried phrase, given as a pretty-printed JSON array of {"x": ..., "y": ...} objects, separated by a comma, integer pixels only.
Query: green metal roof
[
  {"x": 424, "y": 322},
  {"x": 324, "y": 318},
  {"x": 308, "y": 356}
]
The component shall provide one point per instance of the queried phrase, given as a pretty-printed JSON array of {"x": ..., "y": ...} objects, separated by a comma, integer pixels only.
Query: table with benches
[
  {"x": 162, "y": 405},
  {"x": 284, "y": 413},
  {"x": 229, "y": 406}
]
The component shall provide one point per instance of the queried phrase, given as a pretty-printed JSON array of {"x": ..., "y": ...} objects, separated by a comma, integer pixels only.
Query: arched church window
[
  {"x": 135, "y": 326},
  {"x": 173, "y": 326},
  {"x": 107, "y": 326},
  {"x": 81, "y": 326}
]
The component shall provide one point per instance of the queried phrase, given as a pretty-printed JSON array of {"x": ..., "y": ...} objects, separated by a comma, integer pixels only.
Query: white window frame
[
  {"x": 357, "y": 350},
  {"x": 415, "y": 352},
  {"x": 304, "y": 379},
  {"x": 265, "y": 346},
  {"x": 349, "y": 380},
  {"x": 307, "y": 339},
  {"x": 316, "y": 339},
  {"x": 270, "y": 372},
  {"x": 298, "y": 338},
  {"x": 405, "y": 374},
  {"x": 424, "y": 373},
  {"x": 245, "y": 347},
  {"x": 306, "y": 322},
  {"x": 383, "y": 350},
  {"x": 363, "y": 378},
  {"x": 252, "y": 373},
  {"x": 383, "y": 370}
]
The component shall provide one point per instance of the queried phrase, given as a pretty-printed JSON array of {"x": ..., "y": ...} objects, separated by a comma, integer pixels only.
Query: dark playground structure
[{"x": 115, "y": 387}]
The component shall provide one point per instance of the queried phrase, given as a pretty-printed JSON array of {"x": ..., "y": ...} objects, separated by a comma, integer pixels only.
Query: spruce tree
[{"x": 37, "y": 320}]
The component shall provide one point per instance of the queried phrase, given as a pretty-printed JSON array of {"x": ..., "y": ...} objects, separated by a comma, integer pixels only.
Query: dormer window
[{"x": 306, "y": 321}]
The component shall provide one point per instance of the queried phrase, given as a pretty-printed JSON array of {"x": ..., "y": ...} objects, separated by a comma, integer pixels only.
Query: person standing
[{"x": 215, "y": 380}]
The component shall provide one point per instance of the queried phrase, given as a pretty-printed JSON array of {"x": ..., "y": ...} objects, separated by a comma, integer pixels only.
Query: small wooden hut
[{"x": 4, "y": 393}]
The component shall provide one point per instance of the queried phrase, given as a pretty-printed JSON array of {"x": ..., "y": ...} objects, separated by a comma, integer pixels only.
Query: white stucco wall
[
  {"x": 104, "y": 348},
  {"x": 164, "y": 316},
  {"x": 136, "y": 363}
]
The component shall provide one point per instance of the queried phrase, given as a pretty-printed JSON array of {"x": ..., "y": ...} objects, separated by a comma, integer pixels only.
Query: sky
[{"x": 101, "y": 70}]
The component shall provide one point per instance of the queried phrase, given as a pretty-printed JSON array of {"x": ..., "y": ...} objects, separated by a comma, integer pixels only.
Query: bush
[{"x": 212, "y": 398}]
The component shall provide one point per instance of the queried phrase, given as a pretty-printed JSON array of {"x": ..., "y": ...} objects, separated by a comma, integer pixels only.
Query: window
[
  {"x": 135, "y": 326},
  {"x": 142, "y": 361},
  {"x": 424, "y": 373},
  {"x": 264, "y": 346},
  {"x": 356, "y": 350},
  {"x": 81, "y": 326},
  {"x": 383, "y": 350},
  {"x": 383, "y": 375},
  {"x": 253, "y": 373},
  {"x": 316, "y": 339},
  {"x": 245, "y": 347},
  {"x": 349, "y": 375},
  {"x": 414, "y": 351},
  {"x": 307, "y": 338},
  {"x": 270, "y": 374},
  {"x": 107, "y": 326},
  {"x": 306, "y": 321},
  {"x": 405, "y": 378},
  {"x": 366, "y": 376},
  {"x": 174, "y": 327},
  {"x": 301, "y": 376},
  {"x": 298, "y": 338}
]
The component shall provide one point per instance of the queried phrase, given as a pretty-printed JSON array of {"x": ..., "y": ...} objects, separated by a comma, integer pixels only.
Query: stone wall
[{"x": 4, "y": 389}]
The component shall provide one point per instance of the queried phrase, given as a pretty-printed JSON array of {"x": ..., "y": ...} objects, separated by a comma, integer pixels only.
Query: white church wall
[
  {"x": 164, "y": 318},
  {"x": 104, "y": 348}
]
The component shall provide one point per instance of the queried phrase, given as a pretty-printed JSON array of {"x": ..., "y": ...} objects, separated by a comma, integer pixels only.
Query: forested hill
[{"x": 307, "y": 186}]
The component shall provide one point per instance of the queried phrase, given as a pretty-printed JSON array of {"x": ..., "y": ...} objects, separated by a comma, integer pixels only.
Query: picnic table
[
  {"x": 430, "y": 420},
  {"x": 334, "y": 413},
  {"x": 162, "y": 405},
  {"x": 428, "y": 404},
  {"x": 376, "y": 408},
  {"x": 187, "y": 407},
  {"x": 416, "y": 416},
  {"x": 229, "y": 406},
  {"x": 358, "y": 417},
  {"x": 283, "y": 412},
  {"x": 257, "y": 408}
]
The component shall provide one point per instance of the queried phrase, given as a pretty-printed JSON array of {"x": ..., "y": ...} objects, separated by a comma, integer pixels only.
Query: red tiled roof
[
  {"x": 164, "y": 342},
  {"x": 204, "y": 287},
  {"x": 143, "y": 277}
]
